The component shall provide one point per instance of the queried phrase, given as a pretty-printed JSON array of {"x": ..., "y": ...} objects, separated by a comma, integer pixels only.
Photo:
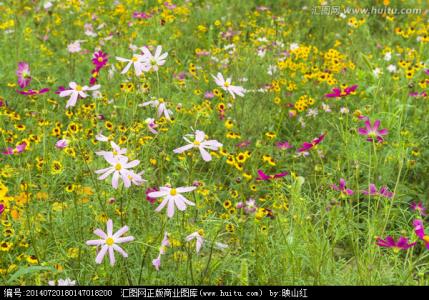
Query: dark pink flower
[
  {"x": 141, "y": 15},
  {"x": 262, "y": 176},
  {"x": 372, "y": 131},
  {"x": 1, "y": 208},
  {"x": 389, "y": 242},
  {"x": 307, "y": 146},
  {"x": 99, "y": 59},
  {"x": 337, "y": 92},
  {"x": 419, "y": 208},
  {"x": 150, "y": 199},
  {"x": 283, "y": 145},
  {"x": 243, "y": 144},
  {"x": 372, "y": 191},
  {"x": 23, "y": 73},
  {"x": 208, "y": 95},
  {"x": 33, "y": 92},
  {"x": 420, "y": 232},
  {"x": 342, "y": 188}
]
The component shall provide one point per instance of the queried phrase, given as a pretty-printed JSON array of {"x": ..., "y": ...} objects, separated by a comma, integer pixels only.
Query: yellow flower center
[
  {"x": 109, "y": 241},
  {"x": 153, "y": 62},
  {"x": 426, "y": 238},
  {"x": 100, "y": 59},
  {"x": 226, "y": 84},
  {"x": 173, "y": 192},
  {"x": 134, "y": 59},
  {"x": 115, "y": 152},
  {"x": 118, "y": 167},
  {"x": 78, "y": 88},
  {"x": 196, "y": 143}
]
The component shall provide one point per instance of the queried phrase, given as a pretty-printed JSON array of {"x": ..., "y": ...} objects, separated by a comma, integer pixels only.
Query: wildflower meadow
[{"x": 197, "y": 142}]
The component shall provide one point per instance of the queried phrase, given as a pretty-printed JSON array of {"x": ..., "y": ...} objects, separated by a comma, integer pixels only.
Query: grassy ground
[{"x": 303, "y": 231}]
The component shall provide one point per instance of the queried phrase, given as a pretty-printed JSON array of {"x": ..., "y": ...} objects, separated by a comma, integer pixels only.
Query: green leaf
[{"x": 28, "y": 270}]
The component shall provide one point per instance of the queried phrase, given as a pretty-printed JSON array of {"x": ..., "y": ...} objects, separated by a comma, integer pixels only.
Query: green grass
[{"x": 315, "y": 236}]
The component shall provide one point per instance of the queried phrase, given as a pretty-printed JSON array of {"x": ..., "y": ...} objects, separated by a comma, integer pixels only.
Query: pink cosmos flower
[
  {"x": 18, "y": 149},
  {"x": 283, "y": 145},
  {"x": 161, "y": 106},
  {"x": 262, "y": 176},
  {"x": 162, "y": 249},
  {"x": 200, "y": 240},
  {"x": 249, "y": 206},
  {"x": 389, "y": 242},
  {"x": 201, "y": 144},
  {"x": 420, "y": 232},
  {"x": 372, "y": 191},
  {"x": 141, "y": 15},
  {"x": 172, "y": 197},
  {"x": 136, "y": 61},
  {"x": 120, "y": 169},
  {"x": 151, "y": 125},
  {"x": 419, "y": 208},
  {"x": 342, "y": 188},
  {"x": 61, "y": 144},
  {"x": 23, "y": 73},
  {"x": 109, "y": 241},
  {"x": 372, "y": 132}
]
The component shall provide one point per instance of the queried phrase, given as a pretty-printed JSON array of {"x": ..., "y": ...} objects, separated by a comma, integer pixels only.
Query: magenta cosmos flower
[
  {"x": 383, "y": 192},
  {"x": 342, "y": 188},
  {"x": 99, "y": 59},
  {"x": 307, "y": 146},
  {"x": 389, "y": 242},
  {"x": 338, "y": 93},
  {"x": 372, "y": 131},
  {"x": 262, "y": 176},
  {"x": 420, "y": 232},
  {"x": 109, "y": 241},
  {"x": 33, "y": 92},
  {"x": 419, "y": 208},
  {"x": 23, "y": 73}
]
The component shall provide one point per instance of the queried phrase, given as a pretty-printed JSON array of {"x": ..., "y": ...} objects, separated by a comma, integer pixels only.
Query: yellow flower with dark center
[
  {"x": 230, "y": 227},
  {"x": 56, "y": 167},
  {"x": 230, "y": 160},
  {"x": 241, "y": 157},
  {"x": 8, "y": 232},
  {"x": 229, "y": 124},
  {"x": 32, "y": 259},
  {"x": 5, "y": 246},
  {"x": 70, "y": 188},
  {"x": 253, "y": 187},
  {"x": 108, "y": 125},
  {"x": 20, "y": 127},
  {"x": 270, "y": 135},
  {"x": 227, "y": 204}
]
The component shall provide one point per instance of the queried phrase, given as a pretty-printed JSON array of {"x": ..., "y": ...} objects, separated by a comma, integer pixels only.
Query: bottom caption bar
[{"x": 158, "y": 292}]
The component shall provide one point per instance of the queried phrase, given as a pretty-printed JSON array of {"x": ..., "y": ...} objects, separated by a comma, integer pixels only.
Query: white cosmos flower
[
  {"x": 117, "y": 151},
  {"x": 200, "y": 240},
  {"x": 200, "y": 143},
  {"x": 137, "y": 61},
  {"x": 226, "y": 86},
  {"x": 162, "y": 107},
  {"x": 172, "y": 197},
  {"x": 109, "y": 241},
  {"x": 120, "y": 169},
  {"x": 75, "y": 91},
  {"x": 152, "y": 62}
]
